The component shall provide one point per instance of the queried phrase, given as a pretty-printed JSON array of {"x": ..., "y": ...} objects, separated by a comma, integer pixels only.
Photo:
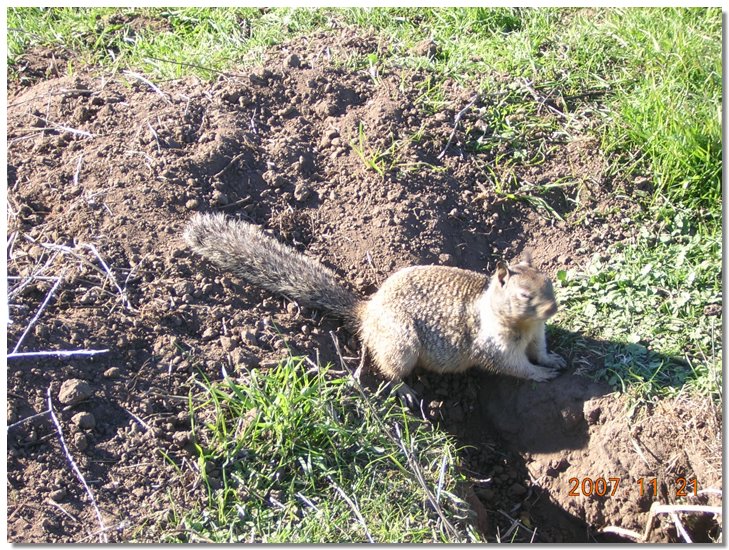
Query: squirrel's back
[{"x": 243, "y": 249}]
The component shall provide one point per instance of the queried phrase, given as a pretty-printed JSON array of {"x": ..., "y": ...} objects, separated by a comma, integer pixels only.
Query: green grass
[
  {"x": 647, "y": 302},
  {"x": 282, "y": 453}
]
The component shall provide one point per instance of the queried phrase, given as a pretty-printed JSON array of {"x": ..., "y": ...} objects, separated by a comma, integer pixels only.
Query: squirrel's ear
[
  {"x": 502, "y": 272},
  {"x": 526, "y": 257}
]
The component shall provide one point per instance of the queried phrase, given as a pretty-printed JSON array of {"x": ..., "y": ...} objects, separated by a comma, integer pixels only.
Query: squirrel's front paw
[
  {"x": 553, "y": 360},
  {"x": 542, "y": 374}
]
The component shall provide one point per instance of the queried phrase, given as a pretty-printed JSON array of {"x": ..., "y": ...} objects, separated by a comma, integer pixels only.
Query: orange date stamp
[{"x": 601, "y": 486}]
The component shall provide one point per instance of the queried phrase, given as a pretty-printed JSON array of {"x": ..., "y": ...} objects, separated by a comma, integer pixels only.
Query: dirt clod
[
  {"x": 84, "y": 420},
  {"x": 74, "y": 391}
]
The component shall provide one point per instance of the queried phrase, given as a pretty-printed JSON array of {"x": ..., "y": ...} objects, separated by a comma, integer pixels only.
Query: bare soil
[{"x": 103, "y": 172}]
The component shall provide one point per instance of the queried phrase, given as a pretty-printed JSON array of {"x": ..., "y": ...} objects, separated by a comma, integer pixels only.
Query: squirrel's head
[{"x": 522, "y": 293}]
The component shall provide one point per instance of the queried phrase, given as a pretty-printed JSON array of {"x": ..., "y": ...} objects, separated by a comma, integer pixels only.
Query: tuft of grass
[{"x": 296, "y": 456}]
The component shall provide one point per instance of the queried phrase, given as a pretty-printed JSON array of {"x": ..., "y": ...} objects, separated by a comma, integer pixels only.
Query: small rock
[
  {"x": 58, "y": 495},
  {"x": 249, "y": 337},
  {"x": 192, "y": 204},
  {"x": 84, "y": 420},
  {"x": 302, "y": 192},
  {"x": 220, "y": 198},
  {"x": 427, "y": 48},
  {"x": 209, "y": 334},
  {"x": 228, "y": 343},
  {"x": 564, "y": 259},
  {"x": 293, "y": 61},
  {"x": 325, "y": 108},
  {"x": 74, "y": 391},
  {"x": 445, "y": 259},
  {"x": 80, "y": 441},
  {"x": 181, "y": 438}
]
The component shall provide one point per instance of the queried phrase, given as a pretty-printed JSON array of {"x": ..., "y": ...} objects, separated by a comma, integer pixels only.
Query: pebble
[
  {"x": 74, "y": 391},
  {"x": 58, "y": 495},
  {"x": 181, "y": 438},
  {"x": 302, "y": 192},
  {"x": 81, "y": 441},
  {"x": 249, "y": 337},
  {"x": 220, "y": 198},
  {"x": 84, "y": 420},
  {"x": 192, "y": 204},
  {"x": 293, "y": 61},
  {"x": 228, "y": 343}
]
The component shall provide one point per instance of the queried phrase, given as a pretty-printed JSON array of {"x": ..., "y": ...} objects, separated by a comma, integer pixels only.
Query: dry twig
[
  {"x": 58, "y": 353},
  {"x": 38, "y": 313},
  {"x": 103, "y": 538},
  {"x": 456, "y": 120},
  {"x": 148, "y": 83}
]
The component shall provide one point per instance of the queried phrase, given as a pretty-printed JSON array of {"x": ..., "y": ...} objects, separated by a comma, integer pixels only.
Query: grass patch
[
  {"x": 164, "y": 42},
  {"x": 290, "y": 456},
  {"x": 657, "y": 304}
]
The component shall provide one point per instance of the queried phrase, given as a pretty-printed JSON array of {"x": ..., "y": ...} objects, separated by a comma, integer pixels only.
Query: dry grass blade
[
  {"x": 456, "y": 121},
  {"x": 37, "y": 315},
  {"x": 59, "y": 353},
  {"x": 354, "y": 508},
  {"x": 102, "y": 536},
  {"x": 148, "y": 83},
  {"x": 672, "y": 510}
]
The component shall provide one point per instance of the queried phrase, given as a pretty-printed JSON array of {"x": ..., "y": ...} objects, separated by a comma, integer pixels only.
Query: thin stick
[
  {"x": 38, "y": 313},
  {"x": 232, "y": 161},
  {"x": 515, "y": 523},
  {"x": 354, "y": 508},
  {"x": 62, "y": 509},
  {"x": 441, "y": 478},
  {"x": 193, "y": 65},
  {"x": 19, "y": 422},
  {"x": 59, "y": 353},
  {"x": 456, "y": 120},
  {"x": 541, "y": 100},
  {"x": 78, "y": 168},
  {"x": 679, "y": 527},
  {"x": 33, "y": 277},
  {"x": 148, "y": 83},
  {"x": 141, "y": 422},
  {"x": 698, "y": 508},
  {"x": 83, "y": 133},
  {"x": 75, "y": 468}
]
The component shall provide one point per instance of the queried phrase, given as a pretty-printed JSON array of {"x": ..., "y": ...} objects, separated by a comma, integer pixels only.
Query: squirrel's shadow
[{"x": 494, "y": 415}]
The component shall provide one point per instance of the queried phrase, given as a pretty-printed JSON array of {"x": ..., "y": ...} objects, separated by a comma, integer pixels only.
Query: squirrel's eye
[{"x": 524, "y": 295}]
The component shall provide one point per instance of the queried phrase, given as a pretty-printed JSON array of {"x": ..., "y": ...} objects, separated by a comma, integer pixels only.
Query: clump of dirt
[{"x": 103, "y": 172}]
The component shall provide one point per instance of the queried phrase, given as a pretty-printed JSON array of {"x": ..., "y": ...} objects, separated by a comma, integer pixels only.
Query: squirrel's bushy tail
[{"x": 244, "y": 250}]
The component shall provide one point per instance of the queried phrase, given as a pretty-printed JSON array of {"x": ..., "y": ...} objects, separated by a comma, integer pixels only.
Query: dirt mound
[{"x": 103, "y": 172}]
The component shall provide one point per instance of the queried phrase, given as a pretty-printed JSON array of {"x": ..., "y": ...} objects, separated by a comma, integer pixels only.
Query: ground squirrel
[{"x": 444, "y": 319}]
